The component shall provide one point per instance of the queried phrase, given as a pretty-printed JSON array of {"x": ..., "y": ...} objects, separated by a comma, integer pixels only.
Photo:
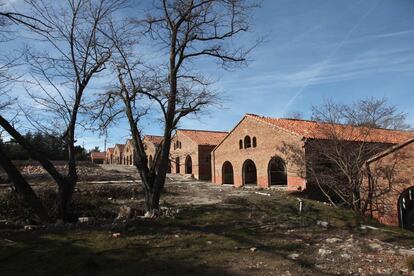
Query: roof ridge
[
  {"x": 201, "y": 130},
  {"x": 203, "y": 137},
  {"x": 325, "y": 123},
  {"x": 390, "y": 150}
]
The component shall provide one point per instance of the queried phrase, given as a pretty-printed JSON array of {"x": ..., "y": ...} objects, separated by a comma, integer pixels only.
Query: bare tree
[
  {"x": 335, "y": 163},
  {"x": 382, "y": 180},
  {"x": 20, "y": 186},
  {"x": 295, "y": 115},
  {"x": 184, "y": 31},
  {"x": 76, "y": 52},
  {"x": 374, "y": 113}
]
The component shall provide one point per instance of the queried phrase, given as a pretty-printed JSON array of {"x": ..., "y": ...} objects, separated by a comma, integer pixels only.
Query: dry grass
[{"x": 203, "y": 239}]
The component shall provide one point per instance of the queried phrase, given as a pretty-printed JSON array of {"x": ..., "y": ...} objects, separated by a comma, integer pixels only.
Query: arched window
[
  {"x": 241, "y": 144},
  {"x": 277, "y": 171},
  {"x": 247, "y": 142},
  {"x": 254, "y": 142}
]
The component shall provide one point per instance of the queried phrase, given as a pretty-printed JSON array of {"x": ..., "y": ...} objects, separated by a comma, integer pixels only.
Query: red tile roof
[
  {"x": 391, "y": 150},
  {"x": 204, "y": 137},
  {"x": 120, "y": 146},
  {"x": 111, "y": 150},
  {"x": 154, "y": 139},
  {"x": 316, "y": 130},
  {"x": 98, "y": 155}
]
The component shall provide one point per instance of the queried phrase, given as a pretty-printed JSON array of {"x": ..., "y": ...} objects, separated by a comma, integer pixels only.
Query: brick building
[
  {"x": 128, "y": 154},
  {"x": 268, "y": 152},
  {"x": 191, "y": 152},
  {"x": 390, "y": 179},
  {"x": 118, "y": 157},
  {"x": 109, "y": 155},
  {"x": 98, "y": 157},
  {"x": 151, "y": 144}
]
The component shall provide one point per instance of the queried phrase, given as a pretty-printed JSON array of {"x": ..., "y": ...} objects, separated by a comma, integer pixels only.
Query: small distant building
[
  {"x": 109, "y": 155},
  {"x": 190, "y": 152},
  {"x": 98, "y": 157},
  {"x": 128, "y": 154},
  {"x": 390, "y": 181},
  {"x": 151, "y": 144},
  {"x": 118, "y": 154}
]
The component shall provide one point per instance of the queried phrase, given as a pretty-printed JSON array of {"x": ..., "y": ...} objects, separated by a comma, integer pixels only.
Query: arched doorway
[
  {"x": 188, "y": 165},
  {"x": 249, "y": 172},
  {"x": 406, "y": 209},
  {"x": 177, "y": 165},
  {"x": 277, "y": 171},
  {"x": 227, "y": 173}
]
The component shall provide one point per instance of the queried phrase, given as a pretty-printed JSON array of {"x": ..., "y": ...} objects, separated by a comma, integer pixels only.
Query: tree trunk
[
  {"x": 22, "y": 188},
  {"x": 64, "y": 199},
  {"x": 65, "y": 187},
  {"x": 66, "y": 192},
  {"x": 46, "y": 164},
  {"x": 356, "y": 200},
  {"x": 152, "y": 203}
]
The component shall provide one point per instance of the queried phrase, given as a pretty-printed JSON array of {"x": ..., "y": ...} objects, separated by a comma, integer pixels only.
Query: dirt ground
[{"x": 205, "y": 230}]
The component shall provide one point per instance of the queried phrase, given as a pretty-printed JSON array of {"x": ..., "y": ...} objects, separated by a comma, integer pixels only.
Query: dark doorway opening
[
  {"x": 277, "y": 172},
  {"x": 177, "y": 165},
  {"x": 150, "y": 160},
  {"x": 227, "y": 173},
  {"x": 249, "y": 172},
  {"x": 188, "y": 165},
  {"x": 406, "y": 209}
]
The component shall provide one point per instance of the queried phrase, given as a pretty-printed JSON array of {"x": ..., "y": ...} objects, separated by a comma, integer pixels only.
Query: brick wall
[
  {"x": 204, "y": 161},
  {"x": 389, "y": 177},
  {"x": 271, "y": 142},
  {"x": 109, "y": 157},
  {"x": 313, "y": 149},
  {"x": 150, "y": 149},
  {"x": 128, "y": 154},
  {"x": 117, "y": 156},
  {"x": 187, "y": 148}
]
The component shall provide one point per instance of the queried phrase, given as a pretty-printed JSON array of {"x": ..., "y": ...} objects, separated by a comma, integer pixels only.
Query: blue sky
[
  {"x": 338, "y": 49},
  {"x": 343, "y": 50}
]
